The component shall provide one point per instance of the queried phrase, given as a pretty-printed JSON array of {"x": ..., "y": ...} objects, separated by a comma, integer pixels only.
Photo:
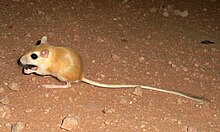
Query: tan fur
[{"x": 63, "y": 61}]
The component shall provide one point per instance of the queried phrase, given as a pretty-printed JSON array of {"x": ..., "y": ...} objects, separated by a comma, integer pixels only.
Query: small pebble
[
  {"x": 4, "y": 100},
  {"x": 141, "y": 58},
  {"x": 13, "y": 86},
  {"x": 18, "y": 127},
  {"x": 124, "y": 1},
  {"x": 107, "y": 123},
  {"x": 173, "y": 66},
  {"x": 184, "y": 13},
  {"x": 100, "y": 40},
  {"x": 138, "y": 91},
  {"x": 108, "y": 110},
  {"x": 165, "y": 14},
  {"x": 33, "y": 79},
  {"x": 71, "y": 99},
  {"x": 179, "y": 122},
  {"x": 4, "y": 111},
  {"x": 191, "y": 129},
  {"x": 2, "y": 90},
  {"x": 8, "y": 125},
  {"x": 28, "y": 35},
  {"x": 40, "y": 12},
  {"x": 196, "y": 65},
  {"x": 46, "y": 94},
  {"x": 115, "y": 57},
  {"x": 185, "y": 69},
  {"x": 28, "y": 110},
  {"x": 126, "y": 47},
  {"x": 5, "y": 83},
  {"x": 102, "y": 75},
  {"x": 70, "y": 123},
  {"x": 123, "y": 101},
  {"x": 170, "y": 62}
]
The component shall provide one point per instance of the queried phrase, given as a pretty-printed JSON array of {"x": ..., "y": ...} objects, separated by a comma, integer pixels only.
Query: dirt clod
[
  {"x": 13, "y": 86},
  {"x": 5, "y": 112},
  {"x": 2, "y": 90},
  {"x": 115, "y": 57},
  {"x": 18, "y": 127},
  {"x": 4, "y": 100},
  {"x": 138, "y": 91},
  {"x": 70, "y": 123}
]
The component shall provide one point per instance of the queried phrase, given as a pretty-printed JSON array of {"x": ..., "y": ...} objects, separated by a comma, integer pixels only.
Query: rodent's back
[{"x": 66, "y": 64}]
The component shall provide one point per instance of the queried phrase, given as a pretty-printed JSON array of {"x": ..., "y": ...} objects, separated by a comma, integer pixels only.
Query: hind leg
[{"x": 68, "y": 85}]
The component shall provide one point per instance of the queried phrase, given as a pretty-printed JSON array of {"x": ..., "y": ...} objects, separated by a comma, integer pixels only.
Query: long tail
[
  {"x": 195, "y": 98},
  {"x": 107, "y": 85}
]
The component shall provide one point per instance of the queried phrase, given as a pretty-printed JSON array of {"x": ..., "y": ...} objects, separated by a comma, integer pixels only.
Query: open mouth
[{"x": 30, "y": 67}]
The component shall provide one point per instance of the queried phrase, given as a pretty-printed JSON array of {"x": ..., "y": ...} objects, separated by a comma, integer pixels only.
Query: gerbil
[{"x": 66, "y": 65}]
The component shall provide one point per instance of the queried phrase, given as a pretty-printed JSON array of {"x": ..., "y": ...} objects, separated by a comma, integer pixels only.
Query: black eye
[{"x": 34, "y": 56}]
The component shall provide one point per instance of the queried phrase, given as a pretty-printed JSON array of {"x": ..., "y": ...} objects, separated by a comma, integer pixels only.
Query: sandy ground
[{"x": 153, "y": 43}]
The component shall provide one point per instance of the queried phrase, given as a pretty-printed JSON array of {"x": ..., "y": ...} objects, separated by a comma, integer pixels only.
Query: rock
[
  {"x": 28, "y": 110},
  {"x": 184, "y": 13},
  {"x": 46, "y": 94},
  {"x": 100, "y": 40},
  {"x": 33, "y": 79},
  {"x": 4, "y": 100},
  {"x": 107, "y": 122},
  {"x": 8, "y": 125},
  {"x": 191, "y": 129},
  {"x": 196, "y": 65},
  {"x": 4, "y": 111},
  {"x": 185, "y": 69},
  {"x": 2, "y": 90},
  {"x": 165, "y": 14},
  {"x": 115, "y": 57},
  {"x": 70, "y": 123},
  {"x": 123, "y": 101},
  {"x": 13, "y": 86},
  {"x": 28, "y": 35},
  {"x": 138, "y": 91},
  {"x": 108, "y": 110},
  {"x": 39, "y": 12},
  {"x": 18, "y": 127},
  {"x": 124, "y": 1},
  {"x": 141, "y": 59}
]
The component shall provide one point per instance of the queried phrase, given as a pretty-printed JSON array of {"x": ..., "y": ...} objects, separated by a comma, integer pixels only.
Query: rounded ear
[
  {"x": 44, "y": 39},
  {"x": 44, "y": 53}
]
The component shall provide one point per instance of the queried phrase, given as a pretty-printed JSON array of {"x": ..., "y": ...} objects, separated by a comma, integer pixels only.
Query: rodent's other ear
[
  {"x": 44, "y": 39},
  {"x": 44, "y": 53}
]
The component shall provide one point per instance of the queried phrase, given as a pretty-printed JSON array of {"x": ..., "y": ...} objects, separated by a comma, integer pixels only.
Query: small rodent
[{"x": 66, "y": 65}]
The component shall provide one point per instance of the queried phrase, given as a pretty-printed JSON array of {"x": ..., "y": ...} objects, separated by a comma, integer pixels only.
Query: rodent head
[{"x": 37, "y": 59}]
